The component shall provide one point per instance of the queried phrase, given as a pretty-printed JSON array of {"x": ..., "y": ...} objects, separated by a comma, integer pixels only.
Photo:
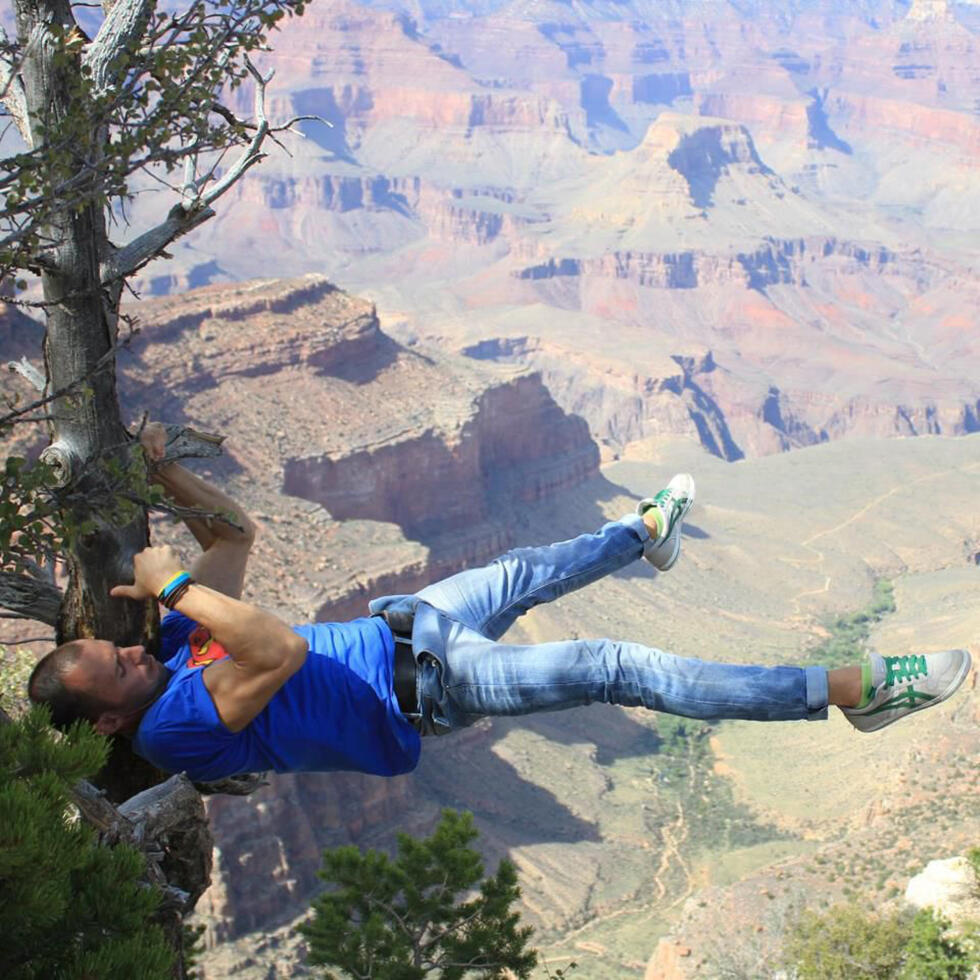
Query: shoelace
[
  {"x": 898, "y": 669},
  {"x": 667, "y": 500}
]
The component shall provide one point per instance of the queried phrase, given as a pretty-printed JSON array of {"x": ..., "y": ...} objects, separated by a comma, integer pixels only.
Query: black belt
[
  {"x": 406, "y": 669},
  {"x": 406, "y": 687}
]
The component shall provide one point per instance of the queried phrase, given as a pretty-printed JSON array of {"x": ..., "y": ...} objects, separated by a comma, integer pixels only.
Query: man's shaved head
[
  {"x": 47, "y": 686},
  {"x": 99, "y": 681}
]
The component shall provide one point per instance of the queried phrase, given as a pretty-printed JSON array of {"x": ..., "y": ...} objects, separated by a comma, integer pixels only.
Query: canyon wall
[
  {"x": 789, "y": 190},
  {"x": 427, "y": 462}
]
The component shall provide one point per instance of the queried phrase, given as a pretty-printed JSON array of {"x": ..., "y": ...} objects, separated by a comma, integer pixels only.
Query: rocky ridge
[
  {"x": 351, "y": 418},
  {"x": 321, "y": 401},
  {"x": 625, "y": 170}
]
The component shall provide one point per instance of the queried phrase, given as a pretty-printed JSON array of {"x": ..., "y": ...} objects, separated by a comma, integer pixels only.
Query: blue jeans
[{"x": 466, "y": 673}]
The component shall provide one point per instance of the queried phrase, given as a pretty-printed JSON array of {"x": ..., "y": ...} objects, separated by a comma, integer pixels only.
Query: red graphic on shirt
[{"x": 205, "y": 649}]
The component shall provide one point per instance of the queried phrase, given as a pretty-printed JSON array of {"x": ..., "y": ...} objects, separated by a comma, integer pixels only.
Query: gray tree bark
[
  {"x": 82, "y": 275},
  {"x": 82, "y": 326}
]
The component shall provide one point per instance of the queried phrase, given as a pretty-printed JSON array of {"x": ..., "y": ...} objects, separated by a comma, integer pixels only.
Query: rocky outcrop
[
  {"x": 219, "y": 332},
  {"x": 772, "y": 262},
  {"x": 704, "y": 155},
  {"x": 919, "y": 126},
  {"x": 517, "y": 446},
  {"x": 951, "y": 887},
  {"x": 732, "y": 417}
]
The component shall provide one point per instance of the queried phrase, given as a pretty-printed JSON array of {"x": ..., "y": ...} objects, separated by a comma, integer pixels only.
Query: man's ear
[{"x": 108, "y": 723}]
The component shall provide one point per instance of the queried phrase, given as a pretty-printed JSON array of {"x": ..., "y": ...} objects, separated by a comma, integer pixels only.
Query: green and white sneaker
[
  {"x": 673, "y": 502},
  {"x": 897, "y": 686}
]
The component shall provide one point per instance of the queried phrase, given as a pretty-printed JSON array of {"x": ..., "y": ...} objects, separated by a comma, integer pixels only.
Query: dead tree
[{"x": 140, "y": 100}]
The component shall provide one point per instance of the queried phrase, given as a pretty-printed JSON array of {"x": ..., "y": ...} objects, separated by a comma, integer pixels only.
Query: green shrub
[
  {"x": 427, "y": 912},
  {"x": 848, "y": 943},
  {"x": 849, "y": 634},
  {"x": 69, "y": 908}
]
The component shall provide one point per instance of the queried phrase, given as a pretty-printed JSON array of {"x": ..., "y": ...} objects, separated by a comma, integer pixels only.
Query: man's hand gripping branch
[
  {"x": 263, "y": 652},
  {"x": 225, "y": 546}
]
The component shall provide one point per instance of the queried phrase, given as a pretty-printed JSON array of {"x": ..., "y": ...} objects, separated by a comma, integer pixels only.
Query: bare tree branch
[
  {"x": 152, "y": 243},
  {"x": 25, "y": 369},
  {"x": 12, "y": 88},
  {"x": 252, "y": 154},
  {"x": 125, "y": 23},
  {"x": 29, "y": 597},
  {"x": 189, "y": 214},
  {"x": 183, "y": 442}
]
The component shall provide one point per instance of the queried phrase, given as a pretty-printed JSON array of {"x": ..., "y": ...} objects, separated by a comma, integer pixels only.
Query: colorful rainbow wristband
[{"x": 172, "y": 586}]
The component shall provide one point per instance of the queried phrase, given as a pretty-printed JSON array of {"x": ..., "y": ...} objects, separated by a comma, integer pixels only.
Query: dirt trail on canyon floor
[{"x": 819, "y": 556}]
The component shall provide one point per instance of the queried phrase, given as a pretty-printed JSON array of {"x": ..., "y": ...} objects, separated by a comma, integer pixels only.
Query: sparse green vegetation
[
  {"x": 849, "y": 634},
  {"x": 686, "y": 777},
  {"x": 848, "y": 943}
]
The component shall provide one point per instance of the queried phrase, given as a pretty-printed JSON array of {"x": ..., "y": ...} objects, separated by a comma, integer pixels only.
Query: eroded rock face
[
  {"x": 517, "y": 446},
  {"x": 789, "y": 189},
  {"x": 370, "y": 468},
  {"x": 326, "y": 407},
  {"x": 949, "y": 886}
]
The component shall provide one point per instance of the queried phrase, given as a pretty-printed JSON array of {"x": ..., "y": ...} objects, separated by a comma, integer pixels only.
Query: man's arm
[
  {"x": 263, "y": 652},
  {"x": 225, "y": 548}
]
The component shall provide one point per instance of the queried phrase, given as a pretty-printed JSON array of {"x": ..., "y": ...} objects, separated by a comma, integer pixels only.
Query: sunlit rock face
[
  {"x": 619, "y": 186},
  {"x": 950, "y": 886}
]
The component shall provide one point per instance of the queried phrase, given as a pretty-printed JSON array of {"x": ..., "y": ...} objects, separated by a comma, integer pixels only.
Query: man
[{"x": 240, "y": 691}]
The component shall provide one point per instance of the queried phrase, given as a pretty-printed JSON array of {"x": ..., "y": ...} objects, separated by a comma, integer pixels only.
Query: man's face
[{"x": 125, "y": 679}]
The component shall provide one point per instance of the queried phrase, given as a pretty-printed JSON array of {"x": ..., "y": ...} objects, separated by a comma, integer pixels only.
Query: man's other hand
[
  {"x": 153, "y": 439},
  {"x": 153, "y": 568}
]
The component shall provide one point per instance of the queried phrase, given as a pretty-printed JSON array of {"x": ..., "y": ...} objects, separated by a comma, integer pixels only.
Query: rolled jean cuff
[
  {"x": 635, "y": 523},
  {"x": 817, "y": 693}
]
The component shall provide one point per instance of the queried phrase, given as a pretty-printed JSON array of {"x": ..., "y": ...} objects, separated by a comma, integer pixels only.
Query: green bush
[
  {"x": 849, "y": 634},
  {"x": 69, "y": 908},
  {"x": 848, "y": 943}
]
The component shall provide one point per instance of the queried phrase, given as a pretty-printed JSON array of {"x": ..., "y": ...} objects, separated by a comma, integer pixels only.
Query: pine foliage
[
  {"x": 69, "y": 908},
  {"x": 429, "y": 912}
]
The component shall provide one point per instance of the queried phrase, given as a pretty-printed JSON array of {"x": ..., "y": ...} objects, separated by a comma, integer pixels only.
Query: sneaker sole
[{"x": 949, "y": 692}]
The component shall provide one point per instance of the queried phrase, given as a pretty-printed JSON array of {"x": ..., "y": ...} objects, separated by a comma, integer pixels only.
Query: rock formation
[
  {"x": 951, "y": 887},
  {"x": 326, "y": 408},
  {"x": 593, "y": 169}
]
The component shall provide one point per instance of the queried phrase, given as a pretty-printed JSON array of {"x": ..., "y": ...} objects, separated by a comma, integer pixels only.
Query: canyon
[
  {"x": 373, "y": 467},
  {"x": 532, "y": 259},
  {"x": 606, "y": 195}
]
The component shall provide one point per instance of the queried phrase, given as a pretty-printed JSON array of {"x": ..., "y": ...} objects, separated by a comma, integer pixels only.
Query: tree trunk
[{"x": 78, "y": 350}]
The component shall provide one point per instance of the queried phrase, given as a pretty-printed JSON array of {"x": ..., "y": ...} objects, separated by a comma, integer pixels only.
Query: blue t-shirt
[{"x": 338, "y": 711}]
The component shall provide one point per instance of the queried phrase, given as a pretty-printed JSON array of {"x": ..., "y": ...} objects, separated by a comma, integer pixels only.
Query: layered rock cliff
[
  {"x": 369, "y": 468},
  {"x": 321, "y": 403}
]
